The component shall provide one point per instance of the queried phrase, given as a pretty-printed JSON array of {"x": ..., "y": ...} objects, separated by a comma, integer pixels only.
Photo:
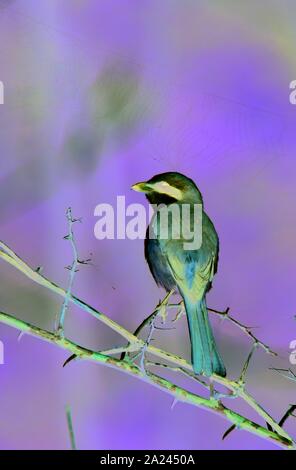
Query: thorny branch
[
  {"x": 287, "y": 373},
  {"x": 246, "y": 329},
  {"x": 274, "y": 432},
  {"x": 225, "y": 315},
  {"x": 59, "y": 326}
]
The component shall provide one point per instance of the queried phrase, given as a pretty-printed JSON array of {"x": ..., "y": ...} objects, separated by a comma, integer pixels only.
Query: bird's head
[{"x": 168, "y": 188}]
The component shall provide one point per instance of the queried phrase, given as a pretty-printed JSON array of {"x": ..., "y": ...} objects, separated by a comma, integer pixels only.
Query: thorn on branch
[
  {"x": 287, "y": 415},
  {"x": 76, "y": 220},
  {"x": 21, "y": 334},
  {"x": 228, "y": 431},
  {"x": 70, "y": 359},
  {"x": 84, "y": 261},
  {"x": 223, "y": 313},
  {"x": 242, "y": 379},
  {"x": 269, "y": 427},
  {"x": 175, "y": 401},
  {"x": 162, "y": 328},
  {"x": 70, "y": 268}
]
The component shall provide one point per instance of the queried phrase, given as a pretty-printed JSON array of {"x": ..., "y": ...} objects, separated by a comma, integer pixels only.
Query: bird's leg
[
  {"x": 161, "y": 308},
  {"x": 180, "y": 310},
  {"x": 212, "y": 388},
  {"x": 215, "y": 395}
]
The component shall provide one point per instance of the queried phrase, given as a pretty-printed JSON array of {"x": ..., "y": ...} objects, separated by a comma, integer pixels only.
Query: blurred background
[{"x": 100, "y": 95}]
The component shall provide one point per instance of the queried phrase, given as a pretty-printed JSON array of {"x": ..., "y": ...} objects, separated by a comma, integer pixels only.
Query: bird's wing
[{"x": 192, "y": 270}]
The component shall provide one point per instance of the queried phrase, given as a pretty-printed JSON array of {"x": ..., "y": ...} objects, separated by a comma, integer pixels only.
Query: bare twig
[
  {"x": 287, "y": 373},
  {"x": 59, "y": 324},
  {"x": 70, "y": 427},
  {"x": 246, "y": 329}
]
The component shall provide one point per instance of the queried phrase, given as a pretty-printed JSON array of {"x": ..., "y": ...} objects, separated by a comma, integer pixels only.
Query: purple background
[{"x": 100, "y": 95}]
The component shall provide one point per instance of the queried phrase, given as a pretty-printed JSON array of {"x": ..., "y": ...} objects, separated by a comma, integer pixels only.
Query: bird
[{"x": 189, "y": 271}]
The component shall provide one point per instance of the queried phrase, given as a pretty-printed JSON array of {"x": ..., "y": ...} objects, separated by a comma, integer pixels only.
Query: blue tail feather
[{"x": 205, "y": 357}]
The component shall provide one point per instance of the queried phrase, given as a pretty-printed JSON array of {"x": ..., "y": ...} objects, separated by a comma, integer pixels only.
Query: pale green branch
[
  {"x": 179, "y": 393},
  {"x": 279, "y": 435}
]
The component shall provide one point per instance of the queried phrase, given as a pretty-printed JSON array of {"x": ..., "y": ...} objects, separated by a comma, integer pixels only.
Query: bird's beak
[{"x": 142, "y": 187}]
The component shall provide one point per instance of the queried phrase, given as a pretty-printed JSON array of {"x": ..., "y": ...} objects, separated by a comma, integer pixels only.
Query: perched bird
[{"x": 189, "y": 271}]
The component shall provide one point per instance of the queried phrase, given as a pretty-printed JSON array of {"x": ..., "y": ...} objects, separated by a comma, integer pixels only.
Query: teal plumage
[{"x": 189, "y": 271}]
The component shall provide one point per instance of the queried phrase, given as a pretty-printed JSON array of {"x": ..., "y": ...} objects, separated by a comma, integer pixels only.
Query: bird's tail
[{"x": 205, "y": 357}]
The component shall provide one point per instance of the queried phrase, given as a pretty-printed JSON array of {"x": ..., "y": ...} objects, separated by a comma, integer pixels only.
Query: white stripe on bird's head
[{"x": 162, "y": 187}]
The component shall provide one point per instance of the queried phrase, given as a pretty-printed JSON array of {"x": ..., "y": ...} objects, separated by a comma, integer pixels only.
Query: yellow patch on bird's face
[{"x": 162, "y": 187}]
